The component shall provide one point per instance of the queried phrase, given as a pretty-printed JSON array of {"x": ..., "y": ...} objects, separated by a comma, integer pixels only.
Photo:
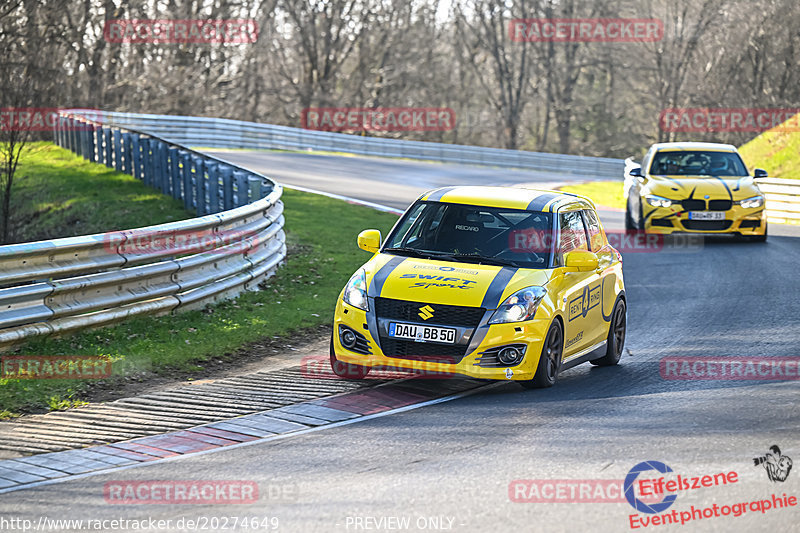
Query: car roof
[
  {"x": 678, "y": 146},
  {"x": 530, "y": 199}
]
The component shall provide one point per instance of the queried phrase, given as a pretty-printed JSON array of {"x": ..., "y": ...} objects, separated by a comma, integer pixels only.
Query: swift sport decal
[
  {"x": 430, "y": 280},
  {"x": 588, "y": 300}
]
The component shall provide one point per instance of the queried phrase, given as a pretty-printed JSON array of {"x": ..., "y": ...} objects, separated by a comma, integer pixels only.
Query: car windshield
[
  {"x": 697, "y": 163},
  {"x": 465, "y": 233}
]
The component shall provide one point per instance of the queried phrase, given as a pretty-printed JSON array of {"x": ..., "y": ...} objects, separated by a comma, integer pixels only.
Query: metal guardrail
[
  {"x": 225, "y": 133},
  {"x": 62, "y": 285},
  {"x": 782, "y": 196},
  {"x": 782, "y": 199}
]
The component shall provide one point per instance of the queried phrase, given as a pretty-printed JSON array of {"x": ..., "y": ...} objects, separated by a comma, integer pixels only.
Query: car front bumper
[
  {"x": 667, "y": 220},
  {"x": 474, "y": 363}
]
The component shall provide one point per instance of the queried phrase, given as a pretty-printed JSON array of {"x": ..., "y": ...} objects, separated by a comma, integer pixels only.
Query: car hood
[
  {"x": 680, "y": 187},
  {"x": 446, "y": 282}
]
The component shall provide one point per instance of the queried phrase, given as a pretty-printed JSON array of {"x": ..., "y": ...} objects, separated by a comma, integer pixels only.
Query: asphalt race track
[{"x": 452, "y": 466}]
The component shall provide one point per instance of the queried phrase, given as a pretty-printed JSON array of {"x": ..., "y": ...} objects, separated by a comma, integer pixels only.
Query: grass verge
[
  {"x": 602, "y": 193},
  {"x": 321, "y": 235},
  {"x": 777, "y": 152},
  {"x": 59, "y": 194}
]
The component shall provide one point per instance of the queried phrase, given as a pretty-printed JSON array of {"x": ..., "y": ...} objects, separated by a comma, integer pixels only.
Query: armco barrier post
[
  {"x": 163, "y": 155},
  {"x": 84, "y": 139},
  {"x": 242, "y": 190},
  {"x": 155, "y": 155},
  {"x": 117, "y": 150},
  {"x": 255, "y": 187},
  {"x": 57, "y": 131},
  {"x": 136, "y": 157},
  {"x": 98, "y": 144},
  {"x": 213, "y": 188},
  {"x": 126, "y": 153},
  {"x": 147, "y": 160},
  {"x": 188, "y": 188},
  {"x": 71, "y": 131},
  {"x": 226, "y": 173},
  {"x": 199, "y": 186},
  {"x": 107, "y": 161},
  {"x": 91, "y": 133},
  {"x": 175, "y": 173}
]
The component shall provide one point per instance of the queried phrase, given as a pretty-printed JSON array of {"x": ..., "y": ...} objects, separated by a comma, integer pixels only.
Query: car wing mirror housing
[
  {"x": 580, "y": 260},
  {"x": 369, "y": 240},
  {"x": 760, "y": 173}
]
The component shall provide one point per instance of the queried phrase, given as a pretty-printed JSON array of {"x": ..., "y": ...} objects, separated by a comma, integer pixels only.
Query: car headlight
[
  {"x": 750, "y": 203},
  {"x": 355, "y": 292},
  {"x": 519, "y": 306},
  {"x": 658, "y": 201}
]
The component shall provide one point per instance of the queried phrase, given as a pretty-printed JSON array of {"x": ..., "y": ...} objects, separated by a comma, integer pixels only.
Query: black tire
[
  {"x": 615, "y": 342},
  {"x": 347, "y": 370},
  {"x": 550, "y": 360},
  {"x": 629, "y": 225}
]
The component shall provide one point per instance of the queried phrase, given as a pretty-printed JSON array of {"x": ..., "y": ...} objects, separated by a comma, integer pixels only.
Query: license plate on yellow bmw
[
  {"x": 706, "y": 215},
  {"x": 422, "y": 333}
]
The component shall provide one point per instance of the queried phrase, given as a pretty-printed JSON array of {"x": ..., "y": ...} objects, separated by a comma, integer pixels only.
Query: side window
[
  {"x": 573, "y": 232},
  {"x": 593, "y": 226}
]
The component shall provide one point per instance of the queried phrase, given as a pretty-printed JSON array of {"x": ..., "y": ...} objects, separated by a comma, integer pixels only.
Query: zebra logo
[{"x": 777, "y": 466}]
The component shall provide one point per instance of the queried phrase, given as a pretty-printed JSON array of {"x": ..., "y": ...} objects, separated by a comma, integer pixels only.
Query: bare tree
[{"x": 482, "y": 27}]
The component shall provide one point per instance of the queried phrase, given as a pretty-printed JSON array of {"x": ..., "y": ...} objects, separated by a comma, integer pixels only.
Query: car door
[
  {"x": 579, "y": 292},
  {"x": 597, "y": 326}
]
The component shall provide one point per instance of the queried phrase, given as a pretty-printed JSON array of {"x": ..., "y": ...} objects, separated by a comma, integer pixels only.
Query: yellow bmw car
[
  {"x": 489, "y": 282},
  {"x": 695, "y": 188}
]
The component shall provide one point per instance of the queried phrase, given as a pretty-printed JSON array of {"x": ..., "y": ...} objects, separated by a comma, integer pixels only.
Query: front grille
[
  {"x": 719, "y": 205},
  {"x": 693, "y": 205},
  {"x": 706, "y": 225},
  {"x": 449, "y": 315},
  {"x": 423, "y": 351},
  {"x": 664, "y": 222}
]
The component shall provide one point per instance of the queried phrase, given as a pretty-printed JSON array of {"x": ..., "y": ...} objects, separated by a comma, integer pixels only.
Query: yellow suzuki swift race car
[
  {"x": 695, "y": 188},
  {"x": 488, "y": 282}
]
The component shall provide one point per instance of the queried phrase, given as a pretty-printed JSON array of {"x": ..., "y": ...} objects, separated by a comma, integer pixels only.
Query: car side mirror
[
  {"x": 636, "y": 172},
  {"x": 581, "y": 260},
  {"x": 760, "y": 173},
  {"x": 369, "y": 240}
]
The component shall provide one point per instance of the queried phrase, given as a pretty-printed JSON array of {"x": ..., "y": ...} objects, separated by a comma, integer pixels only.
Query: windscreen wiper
[{"x": 423, "y": 254}]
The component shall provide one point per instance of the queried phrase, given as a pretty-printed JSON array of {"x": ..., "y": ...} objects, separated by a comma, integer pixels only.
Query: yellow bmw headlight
[
  {"x": 750, "y": 203},
  {"x": 658, "y": 201}
]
